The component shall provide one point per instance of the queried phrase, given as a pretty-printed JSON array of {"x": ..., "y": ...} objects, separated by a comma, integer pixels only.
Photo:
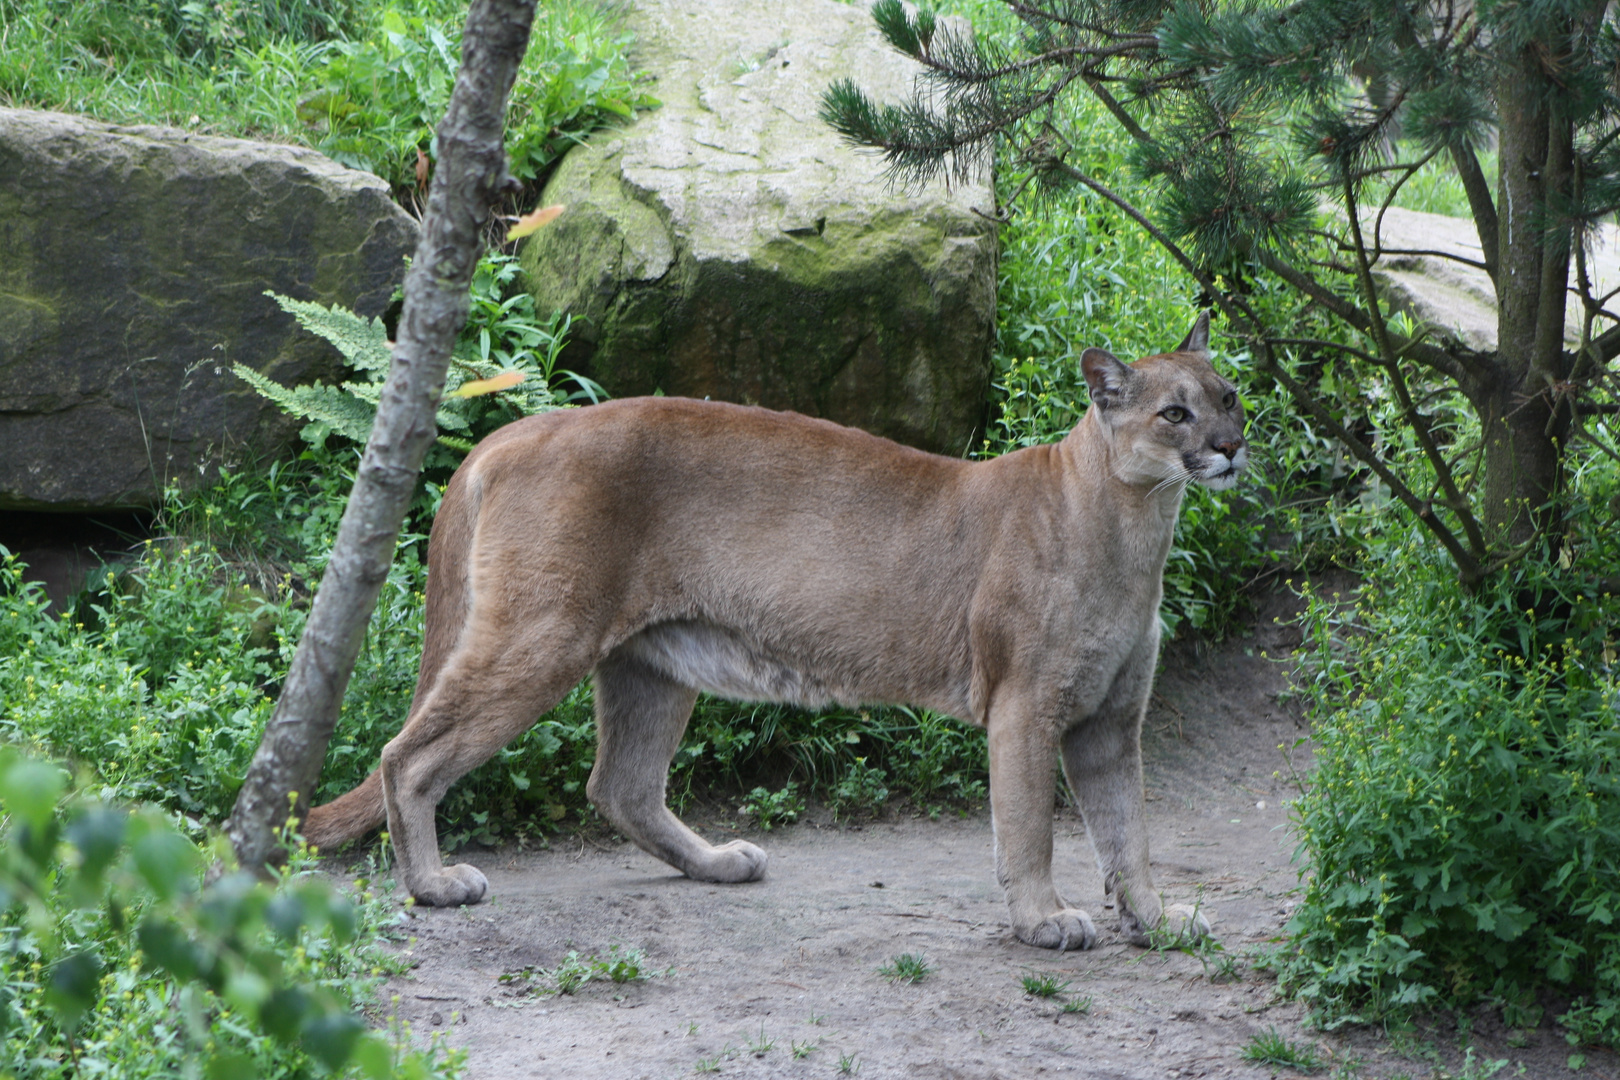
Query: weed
[
  {"x": 1227, "y": 969},
  {"x": 802, "y": 1049},
  {"x": 125, "y": 961},
  {"x": 862, "y": 788},
  {"x": 707, "y": 1065},
  {"x": 363, "y": 81},
  {"x": 761, "y": 1045},
  {"x": 769, "y": 809},
  {"x": 910, "y": 968},
  {"x": 1271, "y": 1048},
  {"x": 847, "y": 1065},
  {"x": 1044, "y": 986},
  {"x": 574, "y": 971},
  {"x": 815, "y": 1017},
  {"x": 1496, "y": 719},
  {"x": 1077, "y": 1005}
]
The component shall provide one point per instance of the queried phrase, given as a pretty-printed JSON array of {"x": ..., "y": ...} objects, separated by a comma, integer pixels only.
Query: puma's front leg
[
  {"x": 1021, "y": 790},
  {"x": 1102, "y": 759}
]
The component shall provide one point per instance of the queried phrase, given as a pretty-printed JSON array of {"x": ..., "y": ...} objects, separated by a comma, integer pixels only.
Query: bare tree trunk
[
  {"x": 470, "y": 175},
  {"x": 1522, "y": 436}
]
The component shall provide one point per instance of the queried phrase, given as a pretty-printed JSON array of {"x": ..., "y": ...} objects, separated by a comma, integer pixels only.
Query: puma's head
[{"x": 1170, "y": 417}]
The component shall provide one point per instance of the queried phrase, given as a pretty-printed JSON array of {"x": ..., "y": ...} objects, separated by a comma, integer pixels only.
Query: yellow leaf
[
  {"x": 479, "y": 387},
  {"x": 530, "y": 222}
]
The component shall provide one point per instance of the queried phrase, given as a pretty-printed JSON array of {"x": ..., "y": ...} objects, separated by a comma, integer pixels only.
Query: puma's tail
[
  {"x": 351, "y": 816},
  {"x": 347, "y": 817}
]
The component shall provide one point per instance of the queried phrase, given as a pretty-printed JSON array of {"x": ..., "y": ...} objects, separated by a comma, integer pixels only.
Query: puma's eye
[
  {"x": 1175, "y": 414},
  {"x": 1229, "y": 400}
]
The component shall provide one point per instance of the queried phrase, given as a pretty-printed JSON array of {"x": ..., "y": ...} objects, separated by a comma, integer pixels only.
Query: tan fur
[{"x": 670, "y": 546}]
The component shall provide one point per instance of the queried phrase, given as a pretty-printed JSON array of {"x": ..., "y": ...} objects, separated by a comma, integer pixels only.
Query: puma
[{"x": 667, "y": 547}]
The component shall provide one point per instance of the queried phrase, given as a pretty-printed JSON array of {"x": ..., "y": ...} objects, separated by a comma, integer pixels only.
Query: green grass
[
  {"x": 907, "y": 968},
  {"x": 363, "y": 81},
  {"x": 1270, "y": 1048},
  {"x": 1044, "y": 986}
]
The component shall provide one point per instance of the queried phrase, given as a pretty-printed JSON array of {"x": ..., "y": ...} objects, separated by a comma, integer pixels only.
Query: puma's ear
[
  {"x": 1197, "y": 339},
  {"x": 1105, "y": 375}
]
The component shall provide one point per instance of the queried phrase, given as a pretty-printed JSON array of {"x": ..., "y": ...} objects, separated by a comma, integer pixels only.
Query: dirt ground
[{"x": 780, "y": 978}]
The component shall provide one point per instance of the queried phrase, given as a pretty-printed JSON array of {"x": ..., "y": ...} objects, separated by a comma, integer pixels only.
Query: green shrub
[
  {"x": 119, "y": 961},
  {"x": 1463, "y": 821}
]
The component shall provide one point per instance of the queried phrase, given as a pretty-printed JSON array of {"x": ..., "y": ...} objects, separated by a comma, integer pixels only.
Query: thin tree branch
[
  {"x": 1480, "y": 203},
  {"x": 1390, "y": 359},
  {"x": 1457, "y": 367},
  {"x": 470, "y": 176}
]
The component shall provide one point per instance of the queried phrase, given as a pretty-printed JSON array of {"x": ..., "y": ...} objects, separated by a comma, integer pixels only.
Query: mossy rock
[
  {"x": 729, "y": 245},
  {"x": 136, "y": 264}
]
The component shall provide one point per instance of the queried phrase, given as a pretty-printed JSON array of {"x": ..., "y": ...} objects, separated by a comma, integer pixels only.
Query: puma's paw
[
  {"x": 729, "y": 864},
  {"x": 1180, "y": 925},
  {"x": 1068, "y": 929},
  {"x": 1184, "y": 923},
  {"x": 452, "y": 887}
]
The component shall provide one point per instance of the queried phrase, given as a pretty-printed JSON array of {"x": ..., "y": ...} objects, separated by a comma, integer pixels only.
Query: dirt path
[{"x": 791, "y": 962}]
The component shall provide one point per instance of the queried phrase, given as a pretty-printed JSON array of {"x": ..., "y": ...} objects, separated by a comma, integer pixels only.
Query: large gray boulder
[
  {"x": 1454, "y": 298},
  {"x": 136, "y": 261},
  {"x": 729, "y": 245}
]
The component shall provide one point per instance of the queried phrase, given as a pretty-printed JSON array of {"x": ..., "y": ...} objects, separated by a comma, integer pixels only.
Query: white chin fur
[{"x": 1223, "y": 472}]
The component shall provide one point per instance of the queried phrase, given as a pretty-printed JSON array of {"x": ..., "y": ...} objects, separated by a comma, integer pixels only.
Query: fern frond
[
  {"x": 363, "y": 344},
  {"x": 330, "y": 405}
]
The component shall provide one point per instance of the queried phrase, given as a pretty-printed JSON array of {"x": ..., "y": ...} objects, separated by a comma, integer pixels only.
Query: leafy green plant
[
  {"x": 862, "y": 788},
  {"x": 1270, "y": 1048},
  {"x": 1079, "y": 1006},
  {"x": 118, "y": 953},
  {"x": 908, "y": 968},
  {"x": 502, "y": 335},
  {"x": 769, "y": 809},
  {"x": 1465, "y": 803},
  {"x": 761, "y": 1044},
  {"x": 363, "y": 81}
]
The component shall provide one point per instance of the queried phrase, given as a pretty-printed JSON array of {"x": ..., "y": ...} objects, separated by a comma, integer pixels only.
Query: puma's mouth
[{"x": 1221, "y": 472}]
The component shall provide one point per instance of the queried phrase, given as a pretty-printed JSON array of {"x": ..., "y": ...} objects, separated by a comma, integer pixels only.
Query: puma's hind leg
[
  {"x": 640, "y": 717},
  {"x": 490, "y": 690}
]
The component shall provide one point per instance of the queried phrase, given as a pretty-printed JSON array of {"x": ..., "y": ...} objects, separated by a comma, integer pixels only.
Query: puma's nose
[{"x": 1230, "y": 447}]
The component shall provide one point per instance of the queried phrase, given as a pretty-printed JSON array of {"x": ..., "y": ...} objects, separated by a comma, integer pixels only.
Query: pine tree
[{"x": 1248, "y": 117}]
